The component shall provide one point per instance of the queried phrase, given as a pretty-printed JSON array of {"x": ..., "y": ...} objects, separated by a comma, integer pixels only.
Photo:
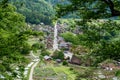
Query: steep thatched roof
[{"x": 75, "y": 60}]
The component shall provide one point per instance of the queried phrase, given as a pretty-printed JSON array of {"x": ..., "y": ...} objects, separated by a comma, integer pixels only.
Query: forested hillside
[
  {"x": 36, "y": 11},
  {"x": 55, "y": 2},
  {"x": 40, "y": 11}
]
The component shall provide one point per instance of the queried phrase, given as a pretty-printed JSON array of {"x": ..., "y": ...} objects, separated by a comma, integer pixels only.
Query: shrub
[
  {"x": 117, "y": 73},
  {"x": 58, "y": 55},
  {"x": 2, "y": 68},
  {"x": 37, "y": 46},
  {"x": 65, "y": 63},
  {"x": 43, "y": 53},
  {"x": 71, "y": 69},
  {"x": 14, "y": 74},
  {"x": 25, "y": 49}
]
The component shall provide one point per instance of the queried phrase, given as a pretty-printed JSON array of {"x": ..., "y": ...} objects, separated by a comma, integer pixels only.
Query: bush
[
  {"x": 2, "y": 68},
  {"x": 70, "y": 37},
  {"x": 65, "y": 63},
  {"x": 43, "y": 53},
  {"x": 14, "y": 74},
  {"x": 58, "y": 55},
  {"x": 71, "y": 69},
  {"x": 37, "y": 46},
  {"x": 6, "y": 65},
  {"x": 25, "y": 49},
  {"x": 117, "y": 73}
]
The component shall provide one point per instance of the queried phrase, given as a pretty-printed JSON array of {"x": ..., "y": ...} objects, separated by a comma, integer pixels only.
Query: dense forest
[
  {"x": 40, "y": 11},
  {"x": 35, "y": 11}
]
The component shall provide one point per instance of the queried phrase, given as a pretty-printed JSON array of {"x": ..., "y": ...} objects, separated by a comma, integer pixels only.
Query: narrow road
[
  {"x": 33, "y": 66},
  {"x": 32, "y": 70},
  {"x": 55, "y": 43}
]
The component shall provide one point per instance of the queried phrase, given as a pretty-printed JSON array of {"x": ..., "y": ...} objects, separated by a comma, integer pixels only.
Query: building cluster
[{"x": 62, "y": 44}]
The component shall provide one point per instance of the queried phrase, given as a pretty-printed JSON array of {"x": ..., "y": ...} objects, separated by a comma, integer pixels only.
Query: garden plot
[{"x": 50, "y": 72}]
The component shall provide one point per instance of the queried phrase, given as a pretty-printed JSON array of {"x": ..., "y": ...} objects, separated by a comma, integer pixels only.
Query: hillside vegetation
[
  {"x": 36, "y": 11},
  {"x": 40, "y": 11},
  {"x": 13, "y": 46}
]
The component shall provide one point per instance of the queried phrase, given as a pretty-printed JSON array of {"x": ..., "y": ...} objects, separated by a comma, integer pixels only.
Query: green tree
[
  {"x": 100, "y": 35},
  {"x": 38, "y": 46},
  {"x": 70, "y": 37},
  {"x": 102, "y": 38},
  {"x": 12, "y": 37},
  {"x": 91, "y": 9},
  {"x": 65, "y": 63},
  {"x": 58, "y": 55},
  {"x": 44, "y": 52},
  {"x": 36, "y": 11}
]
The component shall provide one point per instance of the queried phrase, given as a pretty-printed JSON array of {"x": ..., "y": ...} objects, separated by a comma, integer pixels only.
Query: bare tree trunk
[{"x": 111, "y": 6}]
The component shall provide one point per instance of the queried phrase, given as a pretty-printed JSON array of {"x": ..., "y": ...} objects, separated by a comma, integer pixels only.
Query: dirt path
[
  {"x": 33, "y": 66},
  {"x": 32, "y": 70}
]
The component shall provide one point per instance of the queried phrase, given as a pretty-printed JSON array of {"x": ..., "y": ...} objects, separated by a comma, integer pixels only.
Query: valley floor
[
  {"x": 53, "y": 71},
  {"x": 50, "y": 70}
]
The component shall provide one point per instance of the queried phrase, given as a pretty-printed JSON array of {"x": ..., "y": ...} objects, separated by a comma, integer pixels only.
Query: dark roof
[
  {"x": 75, "y": 60},
  {"x": 58, "y": 60}
]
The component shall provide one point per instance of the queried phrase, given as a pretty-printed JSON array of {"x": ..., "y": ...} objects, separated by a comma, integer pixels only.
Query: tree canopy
[
  {"x": 91, "y": 9},
  {"x": 35, "y": 11},
  {"x": 12, "y": 38},
  {"x": 99, "y": 34}
]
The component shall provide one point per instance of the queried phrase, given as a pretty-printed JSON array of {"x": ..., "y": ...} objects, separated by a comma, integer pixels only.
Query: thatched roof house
[{"x": 75, "y": 60}]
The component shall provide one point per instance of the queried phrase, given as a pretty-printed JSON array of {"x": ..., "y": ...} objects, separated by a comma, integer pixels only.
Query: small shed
[
  {"x": 68, "y": 55},
  {"x": 58, "y": 60},
  {"x": 65, "y": 45},
  {"x": 47, "y": 58}
]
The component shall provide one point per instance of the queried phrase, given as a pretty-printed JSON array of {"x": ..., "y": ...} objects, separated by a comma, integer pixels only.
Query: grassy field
[
  {"x": 66, "y": 70},
  {"x": 53, "y": 71}
]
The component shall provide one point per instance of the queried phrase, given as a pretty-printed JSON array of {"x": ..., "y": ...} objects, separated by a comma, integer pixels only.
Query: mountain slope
[{"x": 36, "y": 11}]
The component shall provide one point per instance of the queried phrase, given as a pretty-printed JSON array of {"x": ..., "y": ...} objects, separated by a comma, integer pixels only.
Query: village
[
  {"x": 59, "y": 61},
  {"x": 50, "y": 62},
  {"x": 55, "y": 43},
  {"x": 62, "y": 45}
]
